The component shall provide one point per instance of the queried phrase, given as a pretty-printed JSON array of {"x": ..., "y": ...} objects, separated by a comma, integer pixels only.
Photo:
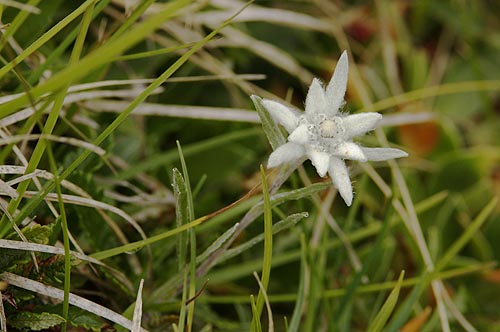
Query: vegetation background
[{"x": 128, "y": 132}]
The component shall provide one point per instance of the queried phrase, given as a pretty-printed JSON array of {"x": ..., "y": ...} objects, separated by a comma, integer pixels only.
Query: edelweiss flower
[{"x": 324, "y": 135}]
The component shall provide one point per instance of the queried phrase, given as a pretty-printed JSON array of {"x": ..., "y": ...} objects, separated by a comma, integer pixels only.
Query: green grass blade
[
  {"x": 256, "y": 326},
  {"x": 132, "y": 18},
  {"x": 216, "y": 244},
  {"x": 181, "y": 216},
  {"x": 467, "y": 234},
  {"x": 192, "y": 240},
  {"x": 268, "y": 241},
  {"x": 406, "y": 308},
  {"x": 65, "y": 234},
  {"x": 301, "y": 291},
  {"x": 286, "y": 223},
  {"x": 183, "y": 307},
  {"x": 388, "y": 307}
]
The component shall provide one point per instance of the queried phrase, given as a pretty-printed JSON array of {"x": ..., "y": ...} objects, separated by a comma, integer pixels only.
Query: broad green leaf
[{"x": 32, "y": 321}]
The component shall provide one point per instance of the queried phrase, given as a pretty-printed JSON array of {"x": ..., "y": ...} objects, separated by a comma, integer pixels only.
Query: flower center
[{"x": 330, "y": 128}]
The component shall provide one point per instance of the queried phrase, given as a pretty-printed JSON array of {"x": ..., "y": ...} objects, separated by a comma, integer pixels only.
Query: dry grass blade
[
  {"x": 29, "y": 246},
  {"x": 21, "y": 6},
  {"x": 66, "y": 140},
  {"x": 266, "y": 301},
  {"x": 136, "y": 326},
  {"x": 269, "y": 15},
  {"x": 75, "y": 300},
  {"x": 3, "y": 319},
  {"x": 179, "y": 111},
  {"x": 82, "y": 201},
  {"x": 5, "y": 210}
]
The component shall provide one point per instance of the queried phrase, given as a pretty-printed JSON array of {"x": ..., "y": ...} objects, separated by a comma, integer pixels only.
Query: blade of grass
[
  {"x": 430, "y": 92},
  {"x": 133, "y": 17},
  {"x": 136, "y": 321},
  {"x": 65, "y": 232},
  {"x": 192, "y": 240},
  {"x": 181, "y": 216},
  {"x": 266, "y": 301},
  {"x": 384, "y": 313},
  {"x": 268, "y": 243},
  {"x": 404, "y": 311},
  {"x": 466, "y": 236},
  {"x": 302, "y": 290},
  {"x": 256, "y": 326},
  {"x": 364, "y": 289},
  {"x": 286, "y": 223},
  {"x": 183, "y": 307},
  {"x": 3, "y": 318},
  {"x": 216, "y": 244}
]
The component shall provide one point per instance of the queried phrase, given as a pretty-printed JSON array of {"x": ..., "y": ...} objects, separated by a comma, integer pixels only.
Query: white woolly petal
[
  {"x": 379, "y": 154},
  {"x": 359, "y": 124},
  {"x": 320, "y": 160},
  {"x": 287, "y": 152},
  {"x": 299, "y": 135},
  {"x": 335, "y": 90},
  {"x": 350, "y": 150},
  {"x": 315, "y": 100},
  {"x": 282, "y": 115},
  {"x": 340, "y": 177}
]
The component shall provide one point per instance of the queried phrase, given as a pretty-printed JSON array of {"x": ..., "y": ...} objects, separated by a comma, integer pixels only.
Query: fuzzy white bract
[{"x": 324, "y": 135}]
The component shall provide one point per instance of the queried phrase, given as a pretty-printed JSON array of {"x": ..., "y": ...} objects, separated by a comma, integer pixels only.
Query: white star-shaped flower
[{"x": 325, "y": 135}]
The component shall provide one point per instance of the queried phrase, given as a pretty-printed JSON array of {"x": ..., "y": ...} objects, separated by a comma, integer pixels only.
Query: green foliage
[
  {"x": 31, "y": 321},
  {"x": 386, "y": 310},
  {"x": 82, "y": 319}
]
